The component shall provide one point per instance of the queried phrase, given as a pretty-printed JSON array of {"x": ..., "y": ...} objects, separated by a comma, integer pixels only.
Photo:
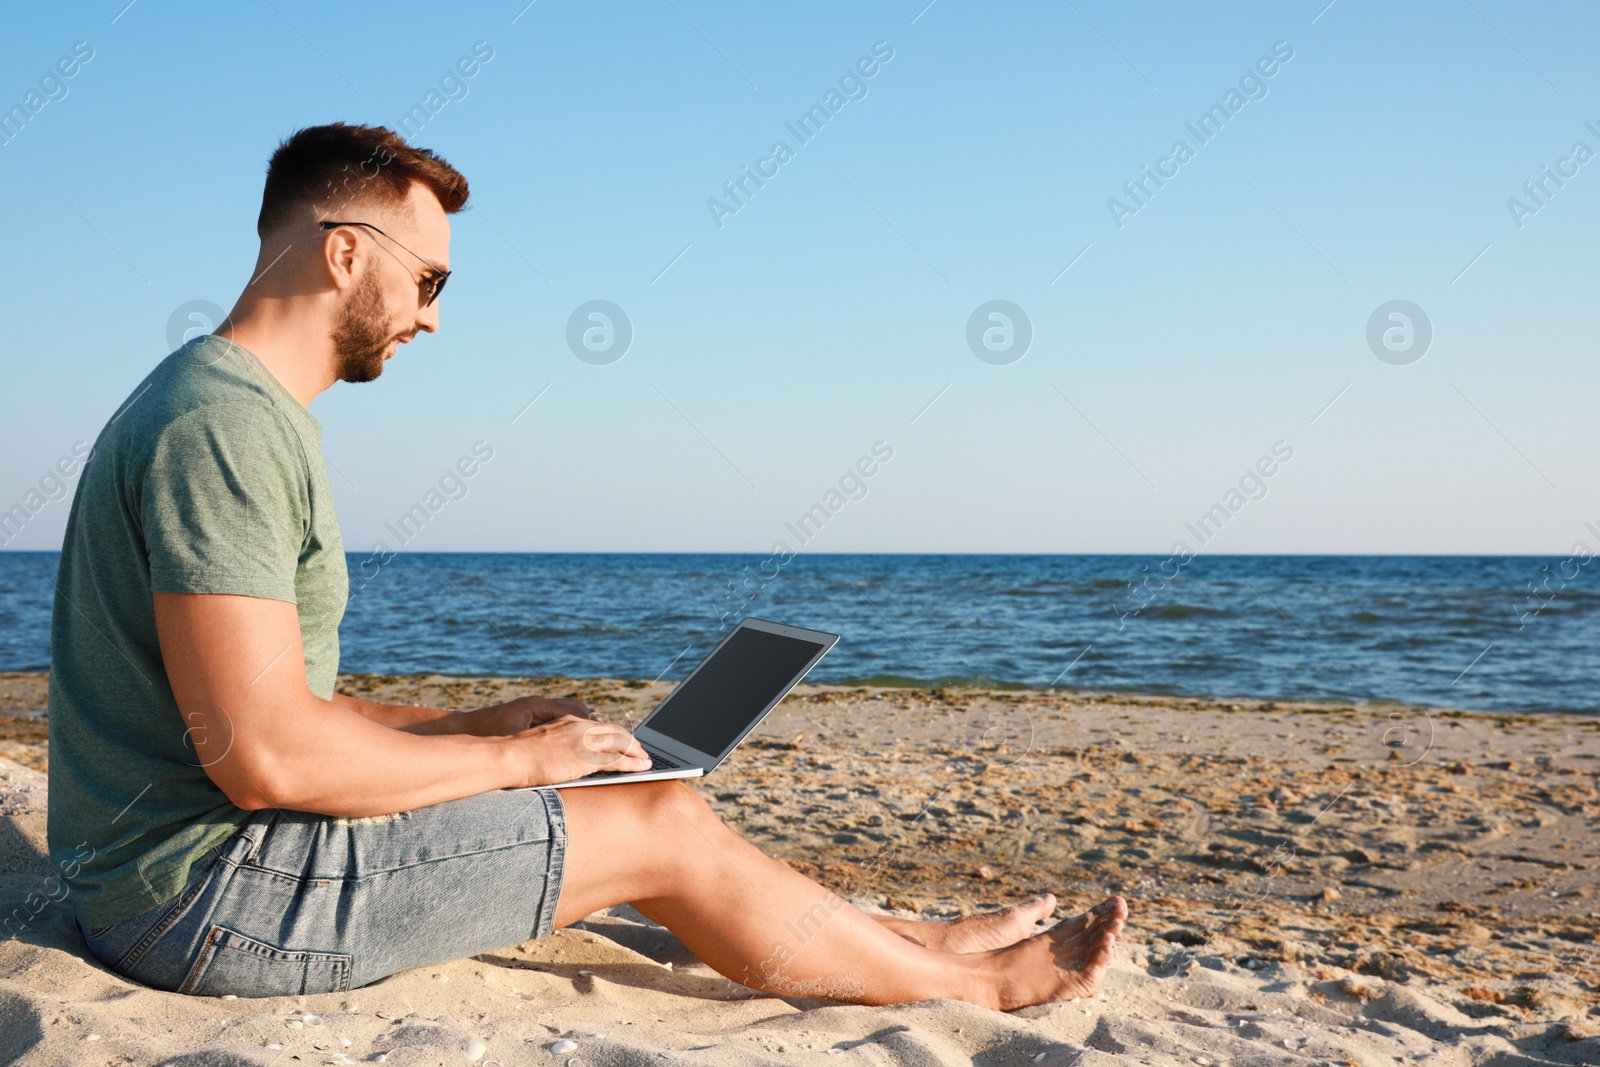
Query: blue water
[{"x": 1448, "y": 631}]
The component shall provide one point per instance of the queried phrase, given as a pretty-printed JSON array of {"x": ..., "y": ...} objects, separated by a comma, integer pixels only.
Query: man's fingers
[
  {"x": 607, "y": 744},
  {"x": 573, "y": 747}
]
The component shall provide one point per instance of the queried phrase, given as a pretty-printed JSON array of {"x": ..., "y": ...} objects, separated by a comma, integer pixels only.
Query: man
[{"x": 229, "y": 824}]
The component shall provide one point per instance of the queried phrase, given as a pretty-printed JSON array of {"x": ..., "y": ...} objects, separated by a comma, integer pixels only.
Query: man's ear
[{"x": 339, "y": 256}]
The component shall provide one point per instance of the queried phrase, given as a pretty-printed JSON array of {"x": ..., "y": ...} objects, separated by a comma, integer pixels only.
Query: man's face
[{"x": 384, "y": 308}]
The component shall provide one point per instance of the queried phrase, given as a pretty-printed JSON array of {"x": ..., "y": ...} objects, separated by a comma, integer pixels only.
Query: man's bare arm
[
  {"x": 511, "y": 717},
  {"x": 405, "y": 717},
  {"x": 237, "y": 669}
]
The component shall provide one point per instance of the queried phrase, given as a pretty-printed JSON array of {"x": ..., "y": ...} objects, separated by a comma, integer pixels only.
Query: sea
[{"x": 1486, "y": 633}]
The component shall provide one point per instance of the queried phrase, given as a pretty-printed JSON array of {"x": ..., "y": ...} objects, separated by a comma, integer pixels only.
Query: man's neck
[{"x": 294, "y": 347}]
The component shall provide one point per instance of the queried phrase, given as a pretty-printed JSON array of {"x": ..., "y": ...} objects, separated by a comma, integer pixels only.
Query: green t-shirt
[{"x": 208, "y": 479}]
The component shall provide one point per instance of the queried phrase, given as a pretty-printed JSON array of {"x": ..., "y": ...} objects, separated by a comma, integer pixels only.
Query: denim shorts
[{"x": 299, "y": 903}]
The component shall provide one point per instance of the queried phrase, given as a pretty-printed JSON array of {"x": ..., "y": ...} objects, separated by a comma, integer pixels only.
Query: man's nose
[{"x": 428, "y": 318}]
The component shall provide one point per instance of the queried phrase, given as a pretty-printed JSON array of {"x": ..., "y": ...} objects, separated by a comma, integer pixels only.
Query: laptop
[{"x": 723, "y": 699}]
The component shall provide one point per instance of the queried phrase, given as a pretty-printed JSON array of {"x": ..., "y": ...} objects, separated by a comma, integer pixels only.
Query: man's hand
[
  {"x": 571, "y": 747},
  {"x": 515, "y": 716}
]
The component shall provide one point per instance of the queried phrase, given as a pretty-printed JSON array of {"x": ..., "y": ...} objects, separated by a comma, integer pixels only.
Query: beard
[{"x": 362, "y": 337}]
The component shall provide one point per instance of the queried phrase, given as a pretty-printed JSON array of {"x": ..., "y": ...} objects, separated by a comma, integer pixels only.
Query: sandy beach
[{"x": 1310, "y": 884}]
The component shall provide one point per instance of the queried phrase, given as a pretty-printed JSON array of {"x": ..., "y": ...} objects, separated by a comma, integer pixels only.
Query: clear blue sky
[{"x": 1222, "y": 317}]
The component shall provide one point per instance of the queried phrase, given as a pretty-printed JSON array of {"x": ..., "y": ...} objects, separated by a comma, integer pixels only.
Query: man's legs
[{"x": 660, "y": 847}]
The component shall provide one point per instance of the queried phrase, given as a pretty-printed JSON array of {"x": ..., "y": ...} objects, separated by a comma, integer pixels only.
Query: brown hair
[{"x": 329, "y": 167}]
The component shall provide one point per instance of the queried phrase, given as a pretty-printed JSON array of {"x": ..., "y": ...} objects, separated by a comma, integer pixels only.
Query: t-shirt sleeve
[{"x": 225, "y": 503}]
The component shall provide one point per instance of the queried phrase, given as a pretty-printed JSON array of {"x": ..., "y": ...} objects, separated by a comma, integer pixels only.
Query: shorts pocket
[{"x": 230, "y": 962}]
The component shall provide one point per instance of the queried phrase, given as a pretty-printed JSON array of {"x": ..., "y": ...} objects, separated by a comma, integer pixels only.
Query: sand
[{"x": 1310, "y": 884}]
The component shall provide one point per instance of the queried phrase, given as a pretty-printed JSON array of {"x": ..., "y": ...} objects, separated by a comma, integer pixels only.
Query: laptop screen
[{"x": 714, "y": 707}]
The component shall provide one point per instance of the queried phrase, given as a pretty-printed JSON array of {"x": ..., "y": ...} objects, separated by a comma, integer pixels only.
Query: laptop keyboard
[{"x": 658, "y": 762}]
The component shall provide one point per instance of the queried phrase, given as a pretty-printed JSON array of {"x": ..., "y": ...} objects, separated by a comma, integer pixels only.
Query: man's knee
[
  {"x": 660, "y": 811},
  {"x": 676, "y": 799},
  {"x": 679, "y": 792}
]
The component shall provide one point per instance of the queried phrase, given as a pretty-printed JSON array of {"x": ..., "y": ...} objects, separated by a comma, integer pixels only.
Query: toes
[
  {"x": 1110, "y": 922},
  {"x": 1103, "y": 922},
  {"x": 1081, "y": 932},
  {"x": 1098, "y": 949},
  {"x": 1028, "y": 913},
  {"x": 1093, "y": 939},
  {"x": 1112, "y": 906},
  {"x": 1085, "y": 953}
]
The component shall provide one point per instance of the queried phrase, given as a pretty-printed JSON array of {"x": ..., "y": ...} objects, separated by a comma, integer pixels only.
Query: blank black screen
[{"x": 711, "y": 709}]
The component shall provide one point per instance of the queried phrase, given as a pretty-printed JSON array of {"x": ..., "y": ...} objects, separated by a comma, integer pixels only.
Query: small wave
[
  {"x": 545, "y": 632},
  {"x": 1182, "y": 611}
]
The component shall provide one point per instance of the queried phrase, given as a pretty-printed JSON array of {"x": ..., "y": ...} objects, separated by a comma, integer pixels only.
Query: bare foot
[
  {"x": 1067, "y": 962},
  {"x": 977, "y": 933}
]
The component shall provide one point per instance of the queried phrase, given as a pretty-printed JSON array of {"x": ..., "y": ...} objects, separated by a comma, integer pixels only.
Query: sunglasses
[{"x": 430, "y": 286}]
